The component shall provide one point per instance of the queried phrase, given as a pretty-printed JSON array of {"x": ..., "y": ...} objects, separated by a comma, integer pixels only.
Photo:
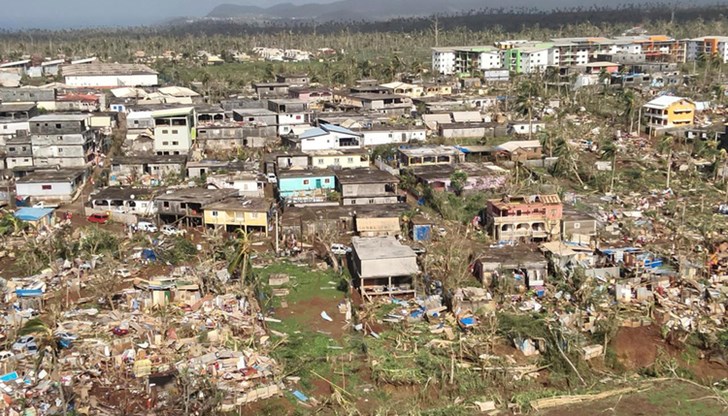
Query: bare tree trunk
[{"x": 669, "y": 169}]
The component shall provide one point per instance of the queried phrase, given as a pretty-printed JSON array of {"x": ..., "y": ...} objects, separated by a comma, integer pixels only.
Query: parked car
[
  {"x": 340, "y": 249},
  {"x": 98, "y": 218},
  {"x": 271, "y": 177},
  {"x": 6, "y": 355},
  {"x": 25, "y": 343},
  {"x": 172, "y": 230},
  {"x": 119, "y": 331},
  {"x": 419, "y": 249},
  {"x": 124, "y": 273},
  {"x": 147, "y": 226}
]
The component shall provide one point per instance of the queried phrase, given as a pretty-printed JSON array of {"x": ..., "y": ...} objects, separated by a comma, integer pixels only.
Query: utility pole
[{"x": 277, "y": 239}]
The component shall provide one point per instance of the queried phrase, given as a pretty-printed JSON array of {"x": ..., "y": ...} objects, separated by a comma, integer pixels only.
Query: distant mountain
[{"x": 371, "y": 9}]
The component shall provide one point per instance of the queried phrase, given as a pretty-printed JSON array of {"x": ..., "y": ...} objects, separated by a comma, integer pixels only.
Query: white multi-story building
[
  {"x": 443, "y": 61},
  {"x": 174, "y": 131},
  {"x": 534, "y": 60},
  {"x": 706, "y": 46},
  {"x": 465, "y": 59}
]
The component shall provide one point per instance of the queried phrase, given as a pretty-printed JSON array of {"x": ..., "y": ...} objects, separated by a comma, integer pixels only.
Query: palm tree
[
  {"x": 241, "y": 260},
  {"x": 609, "y": 151},
  {"x": 629, "y": 101},
  {"x": 47, "y": 342},
  {"x": 666, "y": 145},
  {"x": 566, "y": 160}
]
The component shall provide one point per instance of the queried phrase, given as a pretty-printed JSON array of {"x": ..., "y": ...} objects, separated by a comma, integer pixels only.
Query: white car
[
  {"x": 25, "y": 343},
  {"x": 147, "y": 226},
  {"x": 271, "y": 177},
  {"x": 6, "y": 355},
  {"x": 171, "y": 230},
  {"x": 340, "y": 249},
  {"x": 124, "y": 273}
]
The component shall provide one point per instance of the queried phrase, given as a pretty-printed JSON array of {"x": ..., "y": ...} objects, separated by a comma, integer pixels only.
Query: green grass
[{"x": 679, "y": 400}]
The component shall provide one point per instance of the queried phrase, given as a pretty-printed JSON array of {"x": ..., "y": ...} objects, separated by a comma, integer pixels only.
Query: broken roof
[
  {"x": 201, "y": 195},
  {"x": 240, "y": 204}
]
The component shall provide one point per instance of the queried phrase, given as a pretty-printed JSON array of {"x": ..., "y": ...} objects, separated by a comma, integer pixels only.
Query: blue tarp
[
  {"x": 33, "y": 214},
  {"x": 148, "y": 254},
  {"x": 9, "y": 377},
  {"x": 28, "y": 293},
  {"x": 422, "y": 232}
]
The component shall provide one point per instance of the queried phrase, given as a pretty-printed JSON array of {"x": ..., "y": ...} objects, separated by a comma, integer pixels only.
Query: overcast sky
[{"x": 16, "y": 14}]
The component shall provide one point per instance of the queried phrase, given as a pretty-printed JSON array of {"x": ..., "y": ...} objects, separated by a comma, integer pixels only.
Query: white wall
[
  {"x": 58, "y": 189},
  {"x": 144, "y": 80},
  {"x": 376, "y": 138},
  {"x": 12, "y": 128},
  {"x": 443, "y": 62},
  {"x": 490, "y": 60},
  {"x": 165, "y": 142}
]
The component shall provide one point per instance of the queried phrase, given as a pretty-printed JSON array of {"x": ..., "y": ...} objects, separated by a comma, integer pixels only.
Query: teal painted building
[{"x": 305, "y": 185}]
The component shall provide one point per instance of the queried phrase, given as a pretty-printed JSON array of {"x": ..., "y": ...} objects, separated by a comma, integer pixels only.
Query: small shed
[
  {"x": 421, "y": 229},
  {"x": 37, "y": 217}
]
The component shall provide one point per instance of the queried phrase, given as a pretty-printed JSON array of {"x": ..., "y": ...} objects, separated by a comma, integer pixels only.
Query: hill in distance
[{"x": 374, "y": 9}]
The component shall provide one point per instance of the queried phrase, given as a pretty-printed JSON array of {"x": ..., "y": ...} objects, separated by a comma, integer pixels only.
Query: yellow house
[
  {"x": 349, "y": 158},
  {"x": 401, "y": 88},
  {"x": 250, "y": 214},
  {"x": 434, "y": 90},
  {"x": 668, "y": 112}
]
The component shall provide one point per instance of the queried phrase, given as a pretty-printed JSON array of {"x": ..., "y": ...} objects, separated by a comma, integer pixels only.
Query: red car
[
  {"x": 98, "y": 218},
  {"x": 119, "y": 332}
]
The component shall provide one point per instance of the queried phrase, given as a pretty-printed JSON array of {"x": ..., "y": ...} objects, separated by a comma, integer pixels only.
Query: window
[
  {"x": 60, "y": 150},
  {"x": 306, "y": 181},
  {"x": 371, "y": 201},
  {"x": 166, "y": 204},
  {"x": 320, "y": 161},
  {"x": 350, "y": 160},
  {"x": 58, "y": 125},
  {"x": 26, "y": 160},
  {"x": 327, "y": 180},
  {"x": 165, "y": 131},
  {"x": 24, "y": 148},
  {"x": 11, "y": 149},
  {"x": 336, "y": 161},
  {"x": 254, "y": 215},
  {"x": 353, "y": 202},
  {"x": 298, "y": 117},
  {"x": 47, "y": 187},
  {"x": 175, "y": 131},
  {"x": 165, "y": 143},
  {"x": 577, "y": 225},
  {"x": 136, "y": 122},
  {"x": 214, "y": 213},
  {"x": 175, "y": 143}
]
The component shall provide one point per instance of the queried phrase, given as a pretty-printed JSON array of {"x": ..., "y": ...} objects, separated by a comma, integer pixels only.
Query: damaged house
[
  {"x": 532, "y": 217},
  {"x": 383, "y": 267},
  {"x": 527, "y": 268}
]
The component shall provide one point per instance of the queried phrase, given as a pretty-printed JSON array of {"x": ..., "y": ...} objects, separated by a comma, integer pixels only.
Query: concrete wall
[
  {"x": 370, "y": 200},
  {"x": 55, "y": 127}
]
